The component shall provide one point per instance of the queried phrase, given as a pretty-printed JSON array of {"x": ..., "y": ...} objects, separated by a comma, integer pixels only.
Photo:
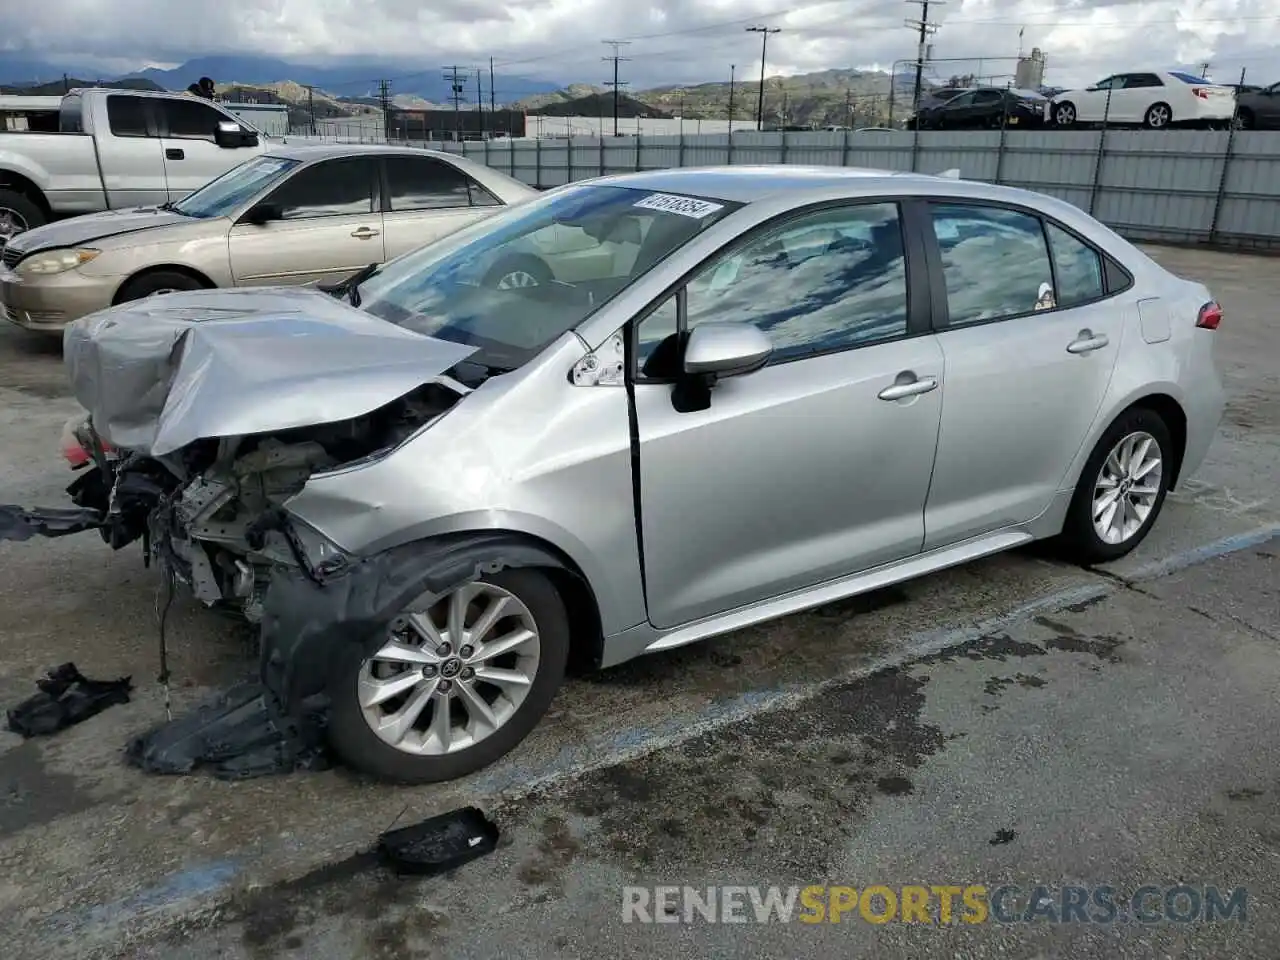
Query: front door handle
[
  {"x": 912, "y": 388},
  {"x": 1086, "y": 342},
  {"x": 174, "y": 153},
  {"x": 365, "y": 233}
]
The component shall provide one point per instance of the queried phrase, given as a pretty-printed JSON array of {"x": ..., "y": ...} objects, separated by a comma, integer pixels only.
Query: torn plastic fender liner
[
  {"x": 304, "y": 621},
  {"x": 18, "y": 523}
]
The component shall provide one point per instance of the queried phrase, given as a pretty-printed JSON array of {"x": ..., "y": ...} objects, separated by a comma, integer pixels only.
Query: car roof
[
  {"x": 307, "y": 152},
  {"x": 746, "y": 184}
]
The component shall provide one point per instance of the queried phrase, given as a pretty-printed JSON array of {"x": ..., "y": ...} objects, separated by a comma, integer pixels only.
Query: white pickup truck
[{"x": 117, "y": 148}]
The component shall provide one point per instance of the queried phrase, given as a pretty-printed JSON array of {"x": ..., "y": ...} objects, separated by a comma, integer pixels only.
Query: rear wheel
[
  {"x": 1244, "y": 119},
  {"x": 455, "y": 684},
  {"x": 1121, "y": 490},
  {"x": 1158, "y": 116},
  {"x": 157, "y": 282}
]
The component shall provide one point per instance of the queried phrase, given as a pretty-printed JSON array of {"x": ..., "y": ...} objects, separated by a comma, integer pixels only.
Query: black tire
[
  {"x": 1244, "y": 119},
  {"x": 22, "y": 208},
  {"x": 357, "y": 745},
  {"x": 1079, "y": 541},
  {"x": 525, "y": 263},
  {"x": 157, "y": 281},
  {"x": 1149, "y": 122}
]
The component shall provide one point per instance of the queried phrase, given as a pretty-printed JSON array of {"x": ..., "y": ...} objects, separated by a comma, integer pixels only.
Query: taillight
[
  {"x": 1210, "y": 316},
  {"x": 1200, "y": 92}
]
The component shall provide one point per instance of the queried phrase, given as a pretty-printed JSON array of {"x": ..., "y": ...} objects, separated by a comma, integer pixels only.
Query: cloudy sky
[{"x": 671, "y": 41}]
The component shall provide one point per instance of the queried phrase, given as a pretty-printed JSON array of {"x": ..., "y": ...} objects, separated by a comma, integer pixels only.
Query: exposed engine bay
[{"x": 212, "y": 512}]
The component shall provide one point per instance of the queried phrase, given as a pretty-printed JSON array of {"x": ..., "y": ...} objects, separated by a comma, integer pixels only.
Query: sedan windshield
[
  {"x": 234, "y": 188},
  {"x": 515, "y": 282}
]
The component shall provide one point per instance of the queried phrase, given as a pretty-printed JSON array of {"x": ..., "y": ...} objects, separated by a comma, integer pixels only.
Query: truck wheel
[
  {"x": 158, "y": 281},
  {"x": 18, "y": 214},
  {"x": 454, "y": 685}
]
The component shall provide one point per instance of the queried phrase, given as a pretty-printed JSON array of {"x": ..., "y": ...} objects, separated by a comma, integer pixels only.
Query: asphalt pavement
[{"x": 839, "y": 747}]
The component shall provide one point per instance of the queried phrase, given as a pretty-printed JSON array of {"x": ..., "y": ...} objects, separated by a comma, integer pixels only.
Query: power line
[
  {"x": 615, "y": 82},
  {"x": 764, "y": 52},
  {"x": 926, "y": 29}
]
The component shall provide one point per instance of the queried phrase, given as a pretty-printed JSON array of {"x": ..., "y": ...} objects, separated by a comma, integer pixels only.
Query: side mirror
[
  {"x": 718, "y": 350},
  {"x": 230, "y": 135},
  {"x": 263, "y": 213}
]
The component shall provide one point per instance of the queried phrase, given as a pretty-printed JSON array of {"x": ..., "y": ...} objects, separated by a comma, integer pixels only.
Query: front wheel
[
  {"x": 1121, "y": 488},
  {"x": 454, "y": 684},
  {"x": 18, "y": 214},
  {"x": 157, "y": 282},
  {"x": 1064, "y": 114}
]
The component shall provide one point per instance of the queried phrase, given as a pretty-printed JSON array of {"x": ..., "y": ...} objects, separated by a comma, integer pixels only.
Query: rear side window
[
  {"x": 995, "y": 262},
  {"x": 71, "y": 115},
  {"x": 1142, "y": 80},
  {"x": 1078, "y": 267},
  {"x": 425, "y": 184},
  {"x": 127, "y": 116}
]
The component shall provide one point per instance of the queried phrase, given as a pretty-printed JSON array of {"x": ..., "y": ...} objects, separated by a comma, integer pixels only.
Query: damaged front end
[{"x": 207, "y": 411}]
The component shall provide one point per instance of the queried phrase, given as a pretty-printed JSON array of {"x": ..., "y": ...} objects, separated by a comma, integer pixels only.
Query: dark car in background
[
  {"x": 1259, "y": 109},
  {"x": 984, "y": 107}
]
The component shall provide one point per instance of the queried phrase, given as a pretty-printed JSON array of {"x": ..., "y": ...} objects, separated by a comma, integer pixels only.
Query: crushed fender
[
  {"x": 66, "y": 697},
  {"x": 239, "y": 735},
  {"x": 440, "y": 843},
  {"x": 18, "y": 523}
]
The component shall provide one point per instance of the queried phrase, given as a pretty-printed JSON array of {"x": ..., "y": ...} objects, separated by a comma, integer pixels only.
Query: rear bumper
[
  {"x": 1223, "y": 109},
  {"x": 1205, "y": 402},
  {"x": 48, "y": 304}
]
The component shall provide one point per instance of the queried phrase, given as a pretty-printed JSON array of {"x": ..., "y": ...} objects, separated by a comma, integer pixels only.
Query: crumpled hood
[
  {"x": 160, "y": 373},
  {"x": 78, "y": 231}
]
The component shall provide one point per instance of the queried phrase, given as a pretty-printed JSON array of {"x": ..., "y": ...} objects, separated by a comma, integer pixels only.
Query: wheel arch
[
  {"x": 1162, "y": 402},
  {"x": 12, "y": 180},
  {"x": 200, "y": 277}
]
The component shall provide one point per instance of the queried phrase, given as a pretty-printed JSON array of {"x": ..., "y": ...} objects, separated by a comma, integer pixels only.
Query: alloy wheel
[
  {"x": 451, "y": 674},
  {"x": 1158, "y": 117},
  {"x": 1127, "y": 488},
  {"x": 1065, "y": 116},
  {"x": 12, "y": 223},
  {"x": 516, "y": 280}
]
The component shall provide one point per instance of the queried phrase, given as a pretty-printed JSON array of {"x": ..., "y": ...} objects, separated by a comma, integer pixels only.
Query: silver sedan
[{"x": 642, "y": 411}]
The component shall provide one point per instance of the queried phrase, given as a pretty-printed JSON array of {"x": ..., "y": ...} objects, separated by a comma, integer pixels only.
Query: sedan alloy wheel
[{"x": 1127, "y": 488}]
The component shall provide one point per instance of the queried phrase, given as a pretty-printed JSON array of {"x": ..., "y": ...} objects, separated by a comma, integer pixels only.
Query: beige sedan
[{"x": 295, "y": 215}]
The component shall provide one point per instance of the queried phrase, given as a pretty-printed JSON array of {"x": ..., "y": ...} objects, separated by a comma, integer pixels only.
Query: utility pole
[
  {"x": 311, "y": 107},
  {"x": 458, "y": 86},
  {"x": 764, "y": 52},
  {"x": 926, "y": 29},
  {"x": 1204, "y": 69},
  {"x": 480, "y": 104},
  {"x": 732, "y": 67},
  {"x": 384, "y": 97},
  {"x": 493, "y": 103},
  {"x": 616, "y": 83}
]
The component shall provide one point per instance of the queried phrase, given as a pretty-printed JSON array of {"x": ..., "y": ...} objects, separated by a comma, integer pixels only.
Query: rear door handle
[
  {"x": 174, "y": 153},
  {"x": 913, "y": 388},
  {"x": 1087, "y": 342},
  {"x": 365, "y": 233}
]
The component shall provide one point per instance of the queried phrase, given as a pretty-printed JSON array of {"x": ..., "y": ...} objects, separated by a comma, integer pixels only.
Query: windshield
[
  {"x": 234, "y": 188},
  {"x": 513, "y": 283}
]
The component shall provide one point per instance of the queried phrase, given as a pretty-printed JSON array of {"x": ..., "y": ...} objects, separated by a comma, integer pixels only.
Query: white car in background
[{"x": 1156, "y": 100}]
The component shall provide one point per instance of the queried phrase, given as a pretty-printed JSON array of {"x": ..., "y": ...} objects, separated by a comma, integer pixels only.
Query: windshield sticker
[{"x": 684, "y": 206}]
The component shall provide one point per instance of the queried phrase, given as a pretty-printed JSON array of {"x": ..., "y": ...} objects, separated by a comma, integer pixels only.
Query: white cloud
[{"x": 672, "y": 41}]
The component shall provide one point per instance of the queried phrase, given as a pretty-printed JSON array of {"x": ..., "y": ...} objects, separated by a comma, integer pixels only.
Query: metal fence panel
[{"x": 1183, "y": 186}]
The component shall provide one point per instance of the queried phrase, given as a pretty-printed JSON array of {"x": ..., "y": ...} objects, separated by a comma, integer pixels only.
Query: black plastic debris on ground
[
  {"x": 66, "y": 698},
  {"x": 19, "y": 523},
  {"x": 439, "y": 844},
  {"x": 238, "y": 735}
]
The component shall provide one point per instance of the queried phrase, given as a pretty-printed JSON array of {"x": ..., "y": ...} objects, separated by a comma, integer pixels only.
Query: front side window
[
  {"x": 331, "y": 188},
  {"x": 995, "y": 262},
  {"x": 822, "y": 282},
  {"x": 425, "y": 184},
  {"x": 127, "y": 116},
  {"x": 235, "y": 188},
  {"x": 1108, "y": 84},
  {"x": 514, "y": 282},
  {"x": 186, "y": 118},
  {"x": 1078, "y": 268}
]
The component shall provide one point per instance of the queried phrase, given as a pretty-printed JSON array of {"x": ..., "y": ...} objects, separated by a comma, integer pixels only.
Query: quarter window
[
  {"x": 127, "y": 116},
  {"x": 1078, "y": 268},
  {"x": 995, "y": 262},
  {"x": 425, "y": 184},
  {"x": 334, "y": 188},
  {"x": 825, "y": 281}
]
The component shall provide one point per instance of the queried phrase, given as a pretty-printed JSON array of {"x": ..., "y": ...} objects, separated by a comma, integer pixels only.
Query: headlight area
[
  {"x": 49, "y": 262},
  {"x": 278, "y": 536}
]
